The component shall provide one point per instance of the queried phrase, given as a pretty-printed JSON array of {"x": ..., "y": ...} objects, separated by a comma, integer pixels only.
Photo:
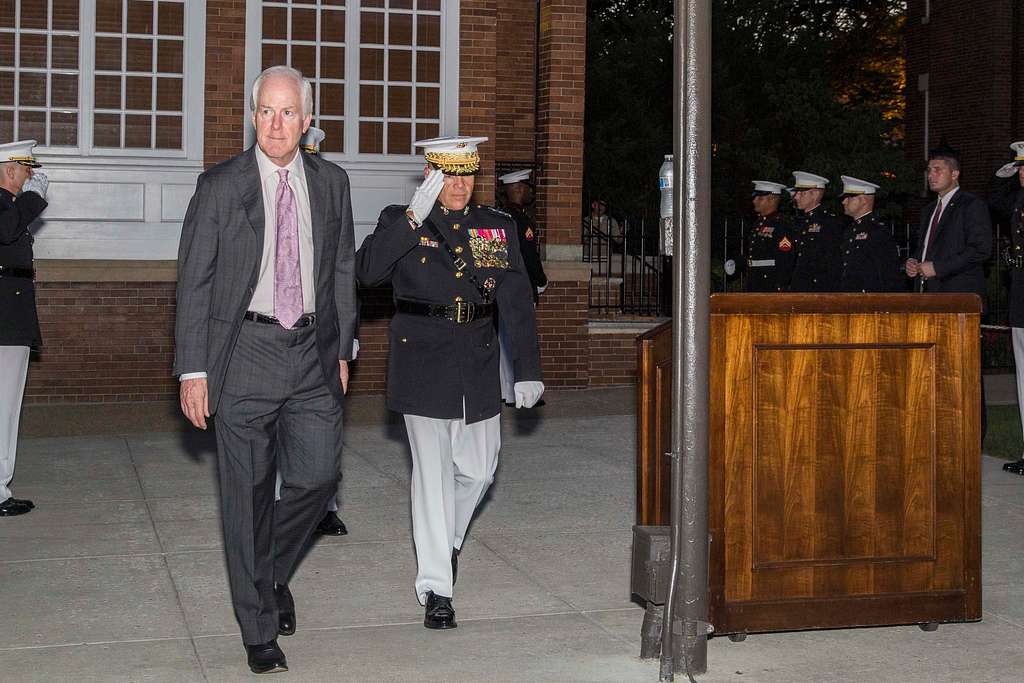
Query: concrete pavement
[{"x": 118, "y": 573}]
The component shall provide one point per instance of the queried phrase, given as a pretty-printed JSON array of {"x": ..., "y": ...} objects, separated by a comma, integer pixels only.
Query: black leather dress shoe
[
  {"x": 266, "y": 658},
  {"x": 1014, "y": 467},
  {"x": 455, "y": 565},
  {"x": 331, "y": 525},
  {"x": 439, "y": 613},
  {"x": 13, "y": 506},
  {"x": 285, "y": 610},
  {"x": 29, "y": 503}
]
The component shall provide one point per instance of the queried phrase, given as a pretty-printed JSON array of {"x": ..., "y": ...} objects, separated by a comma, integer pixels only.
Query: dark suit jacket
[
  {"x": 961, "y": 246},
  {"x": 20, "y": 326},
  {"x": 435, "y": 364},
  {"x": 219, "y": 257}
]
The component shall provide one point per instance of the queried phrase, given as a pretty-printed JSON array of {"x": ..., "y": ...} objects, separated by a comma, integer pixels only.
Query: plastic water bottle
[{"x": 665, "y": 185}]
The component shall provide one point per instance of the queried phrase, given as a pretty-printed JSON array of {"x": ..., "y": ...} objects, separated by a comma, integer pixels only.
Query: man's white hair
[{"x": 287, "y": 72}]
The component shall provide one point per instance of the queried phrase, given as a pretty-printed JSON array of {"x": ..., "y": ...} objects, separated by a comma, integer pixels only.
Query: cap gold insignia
[{"x": 455, "y": 162}]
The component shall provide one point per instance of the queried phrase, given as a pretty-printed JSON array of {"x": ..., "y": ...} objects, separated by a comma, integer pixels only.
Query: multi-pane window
[
  {"x": 399, "y": 74},
  {"x": 101, "y": 77},
  {"x": 310, "y": 36},
  {"x": 374, "y": 64},
  {"x": 39, "y": 71},
  {"x": 139, "y": 59}
]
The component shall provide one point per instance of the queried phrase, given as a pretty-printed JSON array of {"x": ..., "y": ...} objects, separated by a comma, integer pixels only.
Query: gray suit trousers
[{"x": 276, "y": 414}]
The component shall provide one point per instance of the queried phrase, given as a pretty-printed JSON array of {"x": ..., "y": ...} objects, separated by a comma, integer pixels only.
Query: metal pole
[{"x": 691, "y": 290}]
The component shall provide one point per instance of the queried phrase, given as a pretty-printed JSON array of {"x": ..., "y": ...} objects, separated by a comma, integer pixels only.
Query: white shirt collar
[
  {"x": 949, "y": 195},
  {"x": 269, "y": 168}
]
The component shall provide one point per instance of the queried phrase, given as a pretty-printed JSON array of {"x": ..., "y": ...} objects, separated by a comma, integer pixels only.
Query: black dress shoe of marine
[
  {"x": 331, "y": 525},
  {"x": 439, "y": 613},
  {"x": 266, "y": 658},
  {"x": 455, "y": 565},
  {"x": 1014, "y": 467},
  {"x": 13, "y": 506},
  {"x": 285, "y": 610},
  {"x": 29, "y": 503}
]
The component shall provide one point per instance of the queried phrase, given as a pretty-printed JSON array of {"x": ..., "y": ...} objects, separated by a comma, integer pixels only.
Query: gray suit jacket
[{"x": 219, "y": 257}]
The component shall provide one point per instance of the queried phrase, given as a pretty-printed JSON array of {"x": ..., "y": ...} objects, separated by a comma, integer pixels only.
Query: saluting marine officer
[
  {"x": 450, "y": 264},
  {"x": 871, "y": 259},
  {"x": 22, "y": 199},
  {"x": 518, "y": 195},
  {"x": 1013, "y": 204},
  {"x": 770, "y": 243},
  {"x": 818, "y": 235}
]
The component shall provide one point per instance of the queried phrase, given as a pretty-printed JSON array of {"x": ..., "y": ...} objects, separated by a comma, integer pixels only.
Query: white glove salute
[
  {"x": 425, "y": 196},
  {"x": 38, "y": 183},
  {"x": 528, "y": 393}
]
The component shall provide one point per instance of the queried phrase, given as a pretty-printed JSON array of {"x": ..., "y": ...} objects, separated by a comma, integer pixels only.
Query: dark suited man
[
  {"x": 956, "y": 233},
  {"x": 817, "y": 236},
  {"x": 22, "y": 199},
  {"x": 265, "y": 322},
  {"x": 450, "y": 264},
  {"x": 956, "y": 238},
  {"x": 1010, "y": 204}
]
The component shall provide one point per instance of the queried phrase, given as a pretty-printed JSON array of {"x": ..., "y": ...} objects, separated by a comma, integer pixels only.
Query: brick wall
[
  {"x": 562, "y": 322},
  {"x": 477, "y": 82},
  {"x": 560, "y": 90},
  {"x": 226, "y": 99},
  {"x": 971, "y": 58},
  {"x": 103, "y": 341},
  {"x": 515, "y": 90},
  {"x": 612, "y": 358}
]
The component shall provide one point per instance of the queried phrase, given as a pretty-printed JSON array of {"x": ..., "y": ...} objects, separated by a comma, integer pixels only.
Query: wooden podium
[{"x": 844, "y": 463}]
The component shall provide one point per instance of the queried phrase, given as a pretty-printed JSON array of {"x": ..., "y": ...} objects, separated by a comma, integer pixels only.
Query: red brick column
[
  {"x": 516, "y": 87},
  {"x": 560, "y": 90},
  {"x": 478, "y": 22},
  {"x": 226, "y": 97}
]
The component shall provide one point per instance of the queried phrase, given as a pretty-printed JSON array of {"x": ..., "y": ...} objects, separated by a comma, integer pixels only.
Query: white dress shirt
[{"x": 940, "y": 206}]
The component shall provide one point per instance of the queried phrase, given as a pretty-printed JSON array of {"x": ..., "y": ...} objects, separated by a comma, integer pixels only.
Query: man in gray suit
[{"x": 266, "y": 317}]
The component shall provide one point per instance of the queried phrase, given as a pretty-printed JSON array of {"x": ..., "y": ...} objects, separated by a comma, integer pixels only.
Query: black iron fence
[{"x": 631, "y": 278}]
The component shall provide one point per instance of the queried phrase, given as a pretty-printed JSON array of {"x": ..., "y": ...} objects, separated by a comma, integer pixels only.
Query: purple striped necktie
[{"x": 287, "y": 276}]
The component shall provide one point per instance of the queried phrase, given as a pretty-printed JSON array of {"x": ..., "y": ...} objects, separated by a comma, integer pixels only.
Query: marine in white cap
[
  {"x": 516, "y": 196},
  {"x": 22, "y": 200},
  {"x": 818, "y": 234},
  {"x": 1008, "y": 204},
  {"x": 770, "y": 243},
  {"x": 450, "y": 264},
  {"x": 870, "y": 257}
]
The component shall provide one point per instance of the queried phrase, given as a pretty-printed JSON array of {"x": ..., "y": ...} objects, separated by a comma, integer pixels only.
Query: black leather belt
[
  {"x": 11, "y": 271},
  {"x": 460, "y": 312},
  {"x": 305, "y": 321}
]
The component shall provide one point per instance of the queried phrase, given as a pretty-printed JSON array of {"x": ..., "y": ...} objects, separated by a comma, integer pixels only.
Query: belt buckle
[{"x": 465, "y": 311}]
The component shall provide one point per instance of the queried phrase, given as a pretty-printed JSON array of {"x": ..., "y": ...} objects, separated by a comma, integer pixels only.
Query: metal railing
[{"x": 628, "y": 276}]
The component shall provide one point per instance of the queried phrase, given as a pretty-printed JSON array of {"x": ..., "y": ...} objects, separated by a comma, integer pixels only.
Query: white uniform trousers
[
  {"x": 1017, "y": 334},
  {"x": 505, "y": 372},
  {"x": 13, "y": 371},
  {"x": 453, "y": 464}
]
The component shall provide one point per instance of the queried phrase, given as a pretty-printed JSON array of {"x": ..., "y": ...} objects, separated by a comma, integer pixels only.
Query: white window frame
[
  {"x": 193, "y": 76},
  {"x": 354, "y": 160}
]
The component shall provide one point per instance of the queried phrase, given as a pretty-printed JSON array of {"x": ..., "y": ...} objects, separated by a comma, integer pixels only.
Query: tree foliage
[{"x": 814, "y": 85}]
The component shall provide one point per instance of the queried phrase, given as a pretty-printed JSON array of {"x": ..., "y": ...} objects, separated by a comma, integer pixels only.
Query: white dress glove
[
  {"x": 38, "y": 183},
  {"x": 528, "y": 393},
  {"x": 540, "y": 290},
  {"x": 425, "y": 196}
]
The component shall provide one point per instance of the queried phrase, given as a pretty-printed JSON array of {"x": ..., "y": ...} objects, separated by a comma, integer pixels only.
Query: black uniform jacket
[
  {"x": 962, "y": 244},
  {"x": 20, "y": 325},
  {"x": 871, "y": 258},
  {"x": 770, "y": 254},
  {"x": 527, "y": 232},
  {"x": 818, "y": 239},
  {"x": 439, "y": 368},
  {"x": 1015, "y": 209}
]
